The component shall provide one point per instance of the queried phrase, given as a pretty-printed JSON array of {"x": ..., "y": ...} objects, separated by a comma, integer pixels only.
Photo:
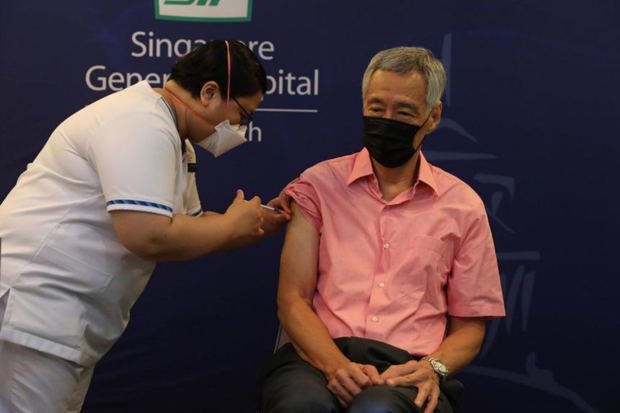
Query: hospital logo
[{"x": 204, "y": 10}]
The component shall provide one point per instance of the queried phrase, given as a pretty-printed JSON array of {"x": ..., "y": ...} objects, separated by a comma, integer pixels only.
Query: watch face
[{"x": 439, "y": 367}]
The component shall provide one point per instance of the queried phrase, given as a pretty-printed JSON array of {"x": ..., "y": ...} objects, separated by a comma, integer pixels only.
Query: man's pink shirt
[{"x": 393, "y": 271}]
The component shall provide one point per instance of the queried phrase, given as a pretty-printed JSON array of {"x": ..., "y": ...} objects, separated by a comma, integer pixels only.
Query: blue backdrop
[{"x": 530, "y": 122}]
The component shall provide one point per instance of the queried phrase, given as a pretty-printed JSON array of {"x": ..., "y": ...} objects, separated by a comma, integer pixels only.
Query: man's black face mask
[{"x": 390, "y": 142}]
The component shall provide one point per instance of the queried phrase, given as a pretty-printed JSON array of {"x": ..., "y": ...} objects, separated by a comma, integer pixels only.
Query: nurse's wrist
[{"x": 229, "y": 237}]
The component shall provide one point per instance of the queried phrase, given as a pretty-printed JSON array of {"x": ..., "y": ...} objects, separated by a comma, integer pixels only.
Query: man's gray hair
[{"x": 405, "y": 60}]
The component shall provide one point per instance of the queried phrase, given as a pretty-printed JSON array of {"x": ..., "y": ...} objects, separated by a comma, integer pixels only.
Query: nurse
[{"x": 111, "y": 193}]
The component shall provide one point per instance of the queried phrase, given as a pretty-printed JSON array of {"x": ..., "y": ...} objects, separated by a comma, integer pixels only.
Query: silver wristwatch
[{"x": 439, "y": 367}]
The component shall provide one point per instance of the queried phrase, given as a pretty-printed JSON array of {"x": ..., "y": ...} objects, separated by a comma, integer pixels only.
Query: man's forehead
[
  {"x": 397, "y": 100},
  {"x": 403, "y": 87}
]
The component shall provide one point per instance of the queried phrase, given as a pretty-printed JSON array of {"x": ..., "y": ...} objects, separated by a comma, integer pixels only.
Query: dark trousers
[{"x": 288, "y": 384}]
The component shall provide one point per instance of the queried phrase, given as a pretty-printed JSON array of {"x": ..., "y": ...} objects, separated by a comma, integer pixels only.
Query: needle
[{"x": 276, "y": 210}]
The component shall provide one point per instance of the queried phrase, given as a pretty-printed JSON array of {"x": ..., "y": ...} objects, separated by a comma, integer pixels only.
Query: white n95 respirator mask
[{"x": 225, "y": 138}]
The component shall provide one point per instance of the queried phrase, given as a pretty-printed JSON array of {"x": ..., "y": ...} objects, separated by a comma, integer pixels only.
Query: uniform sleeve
[
  {"x": 305, "y": 195},
  {"x": 136, "y": 159},
  {"x": 474, "y": 288}
]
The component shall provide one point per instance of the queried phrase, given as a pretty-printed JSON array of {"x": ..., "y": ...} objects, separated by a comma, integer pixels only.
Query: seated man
[{"x": 388, "y": 271}]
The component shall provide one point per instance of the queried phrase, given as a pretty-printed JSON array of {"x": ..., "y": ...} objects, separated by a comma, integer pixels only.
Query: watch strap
[{"x": 439, "y": 368}]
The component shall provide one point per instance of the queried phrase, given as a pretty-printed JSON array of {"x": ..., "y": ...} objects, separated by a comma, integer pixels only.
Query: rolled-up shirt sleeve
[
  {"x": 474, "y": 288},
  {"x": 303, "y": 191}
]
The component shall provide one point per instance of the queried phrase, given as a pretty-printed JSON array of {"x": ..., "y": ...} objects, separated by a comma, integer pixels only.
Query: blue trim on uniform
[
  {"x": 141, "y": 203},
  {"x": 195, "y": 214}
]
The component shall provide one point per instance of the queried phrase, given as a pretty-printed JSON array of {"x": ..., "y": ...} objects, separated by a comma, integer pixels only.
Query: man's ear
[
  {"x": 210, "y": 91},
  {"x": 435, "y": 118}
]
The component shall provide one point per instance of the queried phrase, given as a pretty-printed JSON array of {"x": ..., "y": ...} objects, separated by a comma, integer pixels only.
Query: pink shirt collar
[{"x": 363, "y": 167}]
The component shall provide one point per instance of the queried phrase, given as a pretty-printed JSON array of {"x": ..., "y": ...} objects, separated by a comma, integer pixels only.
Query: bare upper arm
[
  {"x": 139, "y": 232},
  {"x": 299, "y": 260}
]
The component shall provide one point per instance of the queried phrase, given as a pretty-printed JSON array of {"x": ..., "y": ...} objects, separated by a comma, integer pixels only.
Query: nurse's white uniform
[{"x": 67, "y": 284}]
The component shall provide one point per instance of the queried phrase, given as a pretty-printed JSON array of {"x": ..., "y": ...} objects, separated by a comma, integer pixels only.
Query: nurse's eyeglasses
[{"x": 248, "y": 118}]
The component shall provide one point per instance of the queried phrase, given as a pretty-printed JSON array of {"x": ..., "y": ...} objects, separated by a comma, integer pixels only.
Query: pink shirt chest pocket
[{"x": 423, "y": 269}]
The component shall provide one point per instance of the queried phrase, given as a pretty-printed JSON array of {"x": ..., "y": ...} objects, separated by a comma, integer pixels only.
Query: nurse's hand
[
  {"x": 245, "y": 219},
  {"x": 273, "y": 221}
]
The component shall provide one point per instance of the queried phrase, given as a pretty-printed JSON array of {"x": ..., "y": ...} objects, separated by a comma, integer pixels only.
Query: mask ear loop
[
  {"x": 421, "y": 126},
  {"x": 228, "y": 89},
  {"x": 227, "y": 93},
  {"x": 175, "y": 97},
  {"x": 427, "y": 118}
]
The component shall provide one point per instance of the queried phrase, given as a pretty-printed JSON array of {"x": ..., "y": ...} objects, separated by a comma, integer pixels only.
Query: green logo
[{"x": 204, "y": 10}]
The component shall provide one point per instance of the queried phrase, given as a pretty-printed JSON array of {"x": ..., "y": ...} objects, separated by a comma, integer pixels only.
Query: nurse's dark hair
[{"x": 209, "y": 62}]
